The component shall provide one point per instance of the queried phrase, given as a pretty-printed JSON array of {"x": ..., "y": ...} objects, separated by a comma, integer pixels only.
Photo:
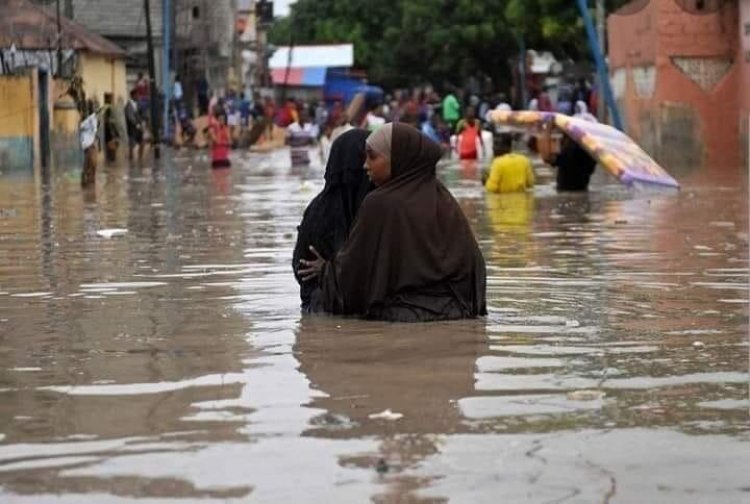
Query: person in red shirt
[
  {"x": 221, "y": 141},
  {"x": 469, "y": 136}
]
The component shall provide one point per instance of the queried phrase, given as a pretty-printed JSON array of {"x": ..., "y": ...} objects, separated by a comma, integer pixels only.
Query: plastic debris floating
[{"x": 111, "y": 233}]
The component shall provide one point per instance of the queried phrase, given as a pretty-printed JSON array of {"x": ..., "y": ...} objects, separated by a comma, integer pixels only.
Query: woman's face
[{"x": 378, "y": 167}]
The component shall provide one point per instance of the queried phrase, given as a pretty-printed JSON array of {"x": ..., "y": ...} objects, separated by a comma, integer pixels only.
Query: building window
[{"x": 196, "y": 12}]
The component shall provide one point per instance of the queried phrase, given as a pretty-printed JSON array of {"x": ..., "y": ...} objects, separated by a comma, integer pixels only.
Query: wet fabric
[
  {"x": 574, "y": 168},
  {"x": 381, "y": 141},
  {"x": 510, "y": 173},
  {"x": 411, "y": 255},
  {"x": 330, "y": 215}
]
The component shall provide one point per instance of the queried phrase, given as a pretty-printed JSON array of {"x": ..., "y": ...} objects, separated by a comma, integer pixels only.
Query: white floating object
[
  {"x": 699, "y": 345},
  {"x": 586, "y": 395},
  {"x": 110, "y": 233},
  {"x": 386, "y": 415}
]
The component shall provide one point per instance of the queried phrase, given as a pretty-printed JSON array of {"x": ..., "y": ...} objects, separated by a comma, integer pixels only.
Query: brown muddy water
[{"x": 170, "y": 363}]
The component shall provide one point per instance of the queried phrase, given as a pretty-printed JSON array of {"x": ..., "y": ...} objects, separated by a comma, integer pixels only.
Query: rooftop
[
  {"x": 313, "y": 56},
  {"x": 28, "y": 26}
]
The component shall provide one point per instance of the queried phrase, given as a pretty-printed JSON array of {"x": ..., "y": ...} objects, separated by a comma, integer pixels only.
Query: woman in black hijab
[
  {"x": 411, "y": 255},
  {"x": 330, "y": 215}
]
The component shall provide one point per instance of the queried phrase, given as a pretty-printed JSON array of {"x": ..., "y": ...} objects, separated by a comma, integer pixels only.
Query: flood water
[{"x": 168, "y": 362}]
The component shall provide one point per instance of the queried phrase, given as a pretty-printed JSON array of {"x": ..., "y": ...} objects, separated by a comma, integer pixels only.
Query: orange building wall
[
  {"x": 743, "y": 58},
  {"x": 680, "y": 122}
]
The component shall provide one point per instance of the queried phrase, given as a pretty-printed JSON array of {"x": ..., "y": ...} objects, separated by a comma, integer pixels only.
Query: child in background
[
  {"x": 221, "y": 140},
  {"x": 469, "y": 136},
  {"x": 509, "y": 172}
]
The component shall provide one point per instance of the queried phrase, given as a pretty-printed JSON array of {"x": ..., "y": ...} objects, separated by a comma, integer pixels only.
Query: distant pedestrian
[
  {"x": 430, "y": 128},
  {"x": 510, "y": 171},
  {"x": 244, "y": 111},
  {"x": 544, "y": 102},
  {"x": 574, "y": 165},
  {"x": 565, "y": 99},
  {"x": 583, "y": 91},
  {"x": 88, "y": 134},
  {"x": 300, "y": 136},
  {"x": 374, "y": 118},
  {"x": 269, "y": 112},
  {"x": 202, "y": 92},
  {"x": 469, "y": 136},
  {"x": 111, "y": 133},
  {"x": 451, "y": 108},
  {"x": 177, "y": 93},
  {"x": 142, "y": 90},
  {"x": 220, "y": 139},
  {"x": 582, "y": 112},
  {"x": 134, "y": 126},
  {"x": 321, "y": 115}
]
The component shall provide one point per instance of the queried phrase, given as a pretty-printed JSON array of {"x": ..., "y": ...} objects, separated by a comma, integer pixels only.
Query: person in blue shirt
[
  {"x": 431, "y": 128},
  {"x": 244, "y": 110}
]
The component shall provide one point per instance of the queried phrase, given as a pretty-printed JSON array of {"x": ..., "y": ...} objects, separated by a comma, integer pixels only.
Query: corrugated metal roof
[
  {"x": 334, "y": 55},
  {"x": 118, "y": 18},
  {"x": 31, "y": 27}
]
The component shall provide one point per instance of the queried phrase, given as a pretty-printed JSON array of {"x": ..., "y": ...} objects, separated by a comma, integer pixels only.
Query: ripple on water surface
[{"x": 171, "y": 362}]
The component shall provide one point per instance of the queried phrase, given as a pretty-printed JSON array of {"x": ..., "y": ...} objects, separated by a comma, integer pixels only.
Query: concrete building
[
  {"x": 680, "y": 76},
  {"x": 743, "y": 59},
  {"x": 204, "y": 44},
  {"x": 30, "y": 102}
]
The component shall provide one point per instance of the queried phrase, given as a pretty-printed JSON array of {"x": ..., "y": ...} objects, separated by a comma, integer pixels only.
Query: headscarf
[
  {"x": 582, "y": 111},
  {"x": 411, "y": 254},
  {"x": 380, "y": 140},
  {"x": 329, "y": 216}
]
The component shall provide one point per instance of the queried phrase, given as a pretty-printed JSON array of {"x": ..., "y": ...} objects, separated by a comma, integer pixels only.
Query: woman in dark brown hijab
[{"x": 411, "y": 255}]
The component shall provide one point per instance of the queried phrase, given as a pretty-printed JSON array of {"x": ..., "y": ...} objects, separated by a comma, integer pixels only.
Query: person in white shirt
[{"x": 300, "y": 136}]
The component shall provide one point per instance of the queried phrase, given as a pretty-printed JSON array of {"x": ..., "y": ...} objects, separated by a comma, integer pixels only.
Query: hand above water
[{"x": 309, "y": 269}]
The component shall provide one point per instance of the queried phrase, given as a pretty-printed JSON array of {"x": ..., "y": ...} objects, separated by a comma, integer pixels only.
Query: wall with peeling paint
[
  {"x": 743, "y": 58},
  {"x": 18, "y": 113},
  {"x": 680, "y": 82}
]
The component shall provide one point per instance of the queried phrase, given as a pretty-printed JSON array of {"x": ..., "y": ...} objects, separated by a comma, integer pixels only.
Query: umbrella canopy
[{"x": 613, "y": 149}]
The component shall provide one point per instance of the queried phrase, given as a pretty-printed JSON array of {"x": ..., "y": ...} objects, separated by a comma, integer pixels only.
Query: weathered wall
[
  {"x": 65, "y": 144},
  {"x": 681, "y": 83},
  {"x": 18, "y": 121},
  {"x": 743, "y": 58},
  {"x": 102, "y": 75},
  {"x": 632, "y": 55}
]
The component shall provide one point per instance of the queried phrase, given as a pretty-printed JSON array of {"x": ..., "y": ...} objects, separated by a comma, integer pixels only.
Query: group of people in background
[
  {"x": 456, "y": 119},
  {"x": 396, "y": 246}
]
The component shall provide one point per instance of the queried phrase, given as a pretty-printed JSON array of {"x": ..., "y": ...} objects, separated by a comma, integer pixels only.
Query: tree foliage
[{"x": 403, "y": 42}]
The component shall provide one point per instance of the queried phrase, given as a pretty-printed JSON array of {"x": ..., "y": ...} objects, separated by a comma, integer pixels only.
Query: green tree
[{"x": 402, "y": 42}]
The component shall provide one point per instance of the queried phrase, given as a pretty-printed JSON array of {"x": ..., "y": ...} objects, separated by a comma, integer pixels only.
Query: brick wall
[{"x": 682, "y": 92}]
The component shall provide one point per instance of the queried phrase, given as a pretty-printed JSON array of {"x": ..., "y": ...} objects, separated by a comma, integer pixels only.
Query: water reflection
[{"x": 172, "y": 362}]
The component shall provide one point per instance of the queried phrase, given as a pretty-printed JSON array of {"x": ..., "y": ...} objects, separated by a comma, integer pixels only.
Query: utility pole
[
  {"x": 152, "y": 82},
  {"x": 59, "y": 40},
  {"x": 600, "y": 105},
  {"x": 166, "y": 14}
]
